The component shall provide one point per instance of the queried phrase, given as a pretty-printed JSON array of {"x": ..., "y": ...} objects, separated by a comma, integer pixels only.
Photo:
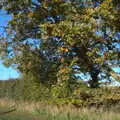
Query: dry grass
[{"x": 52, "y": 112}]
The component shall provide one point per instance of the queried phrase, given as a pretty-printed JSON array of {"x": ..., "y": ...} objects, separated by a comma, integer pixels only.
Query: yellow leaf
[
  {"x": 30, "y": 14},
  {"x": 63, "y": 49},
  {"x": 63, "y": 70}
]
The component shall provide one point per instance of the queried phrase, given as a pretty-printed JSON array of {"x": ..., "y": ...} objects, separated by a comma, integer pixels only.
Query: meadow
[
  {"x": 41, "y": 111},
  {"x": 85, "y": 104}
]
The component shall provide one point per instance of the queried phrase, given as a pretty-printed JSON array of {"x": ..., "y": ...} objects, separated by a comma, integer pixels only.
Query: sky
[{"x": 6, "y": 73}]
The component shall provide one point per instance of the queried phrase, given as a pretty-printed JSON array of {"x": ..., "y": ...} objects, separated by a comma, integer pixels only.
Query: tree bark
[{"x": 94, "y": 72}]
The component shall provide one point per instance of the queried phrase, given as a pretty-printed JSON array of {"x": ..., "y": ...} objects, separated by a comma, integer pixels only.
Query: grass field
[{"x": 39, "y": 111}]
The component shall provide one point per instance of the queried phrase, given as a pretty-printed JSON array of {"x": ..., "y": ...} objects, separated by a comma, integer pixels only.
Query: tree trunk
[
  {"x": 94, "y": 72},
  {"x": 94, "y": 83}
]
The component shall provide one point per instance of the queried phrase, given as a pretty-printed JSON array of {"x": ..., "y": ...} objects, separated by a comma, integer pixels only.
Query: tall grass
[{"x": 52, "y": 112}]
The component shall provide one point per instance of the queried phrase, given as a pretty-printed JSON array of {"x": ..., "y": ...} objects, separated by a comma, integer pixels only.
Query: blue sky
[{"x": 6, "y": 73}]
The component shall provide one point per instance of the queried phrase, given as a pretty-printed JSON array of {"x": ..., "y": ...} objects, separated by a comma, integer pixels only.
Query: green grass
[
  {"x": 61, "y": 116},
  {"x": 16, "y": 117}
]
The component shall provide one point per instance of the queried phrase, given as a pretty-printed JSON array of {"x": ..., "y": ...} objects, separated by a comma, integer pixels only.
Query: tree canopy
[{"x": 55, "y": 40}]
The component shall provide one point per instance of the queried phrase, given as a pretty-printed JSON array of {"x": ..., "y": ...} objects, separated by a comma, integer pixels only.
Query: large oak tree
[{"x": 56, "y": 39}]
